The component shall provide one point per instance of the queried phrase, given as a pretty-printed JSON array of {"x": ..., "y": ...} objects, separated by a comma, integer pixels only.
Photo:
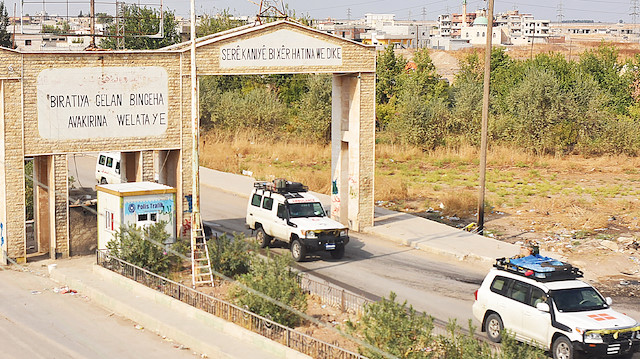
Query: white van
[{"x": 109, "y": 168}]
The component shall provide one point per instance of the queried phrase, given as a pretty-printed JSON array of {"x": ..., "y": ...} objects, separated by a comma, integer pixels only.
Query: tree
[
  {"x": 602, "y": 64},
  {"x": 5, "y": 36},
  {"x": 104, "y": 18},
  {"x": 273, "y": 277},
  {"x": 139, "y": 24},
  {"x": 230, "y": 255},
  {"x": 422, "y": 104},
  {"x": 388, "y": 68},
  {"x": 314, "y": 110},
  {"x": 211, "y": 24},
  {"x": 394, "y": 328}
]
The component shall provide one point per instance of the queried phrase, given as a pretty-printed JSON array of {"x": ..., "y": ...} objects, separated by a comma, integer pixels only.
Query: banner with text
[
  {"x": 92, "y": 102},
  {"x": 280, "y": 48}
]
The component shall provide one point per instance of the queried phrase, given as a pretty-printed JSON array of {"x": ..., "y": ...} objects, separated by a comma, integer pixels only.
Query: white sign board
[
  {"x": 280, "y": 48},
  {"x": 92, "y": 102}
]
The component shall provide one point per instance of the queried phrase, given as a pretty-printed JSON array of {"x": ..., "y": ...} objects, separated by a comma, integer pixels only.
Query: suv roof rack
[
  {"x": 281, "y": 186},
  {"x": 540, "y": 268}
]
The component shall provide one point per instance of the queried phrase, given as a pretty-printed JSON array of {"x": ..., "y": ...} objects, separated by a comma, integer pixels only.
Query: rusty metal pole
[
  {"x": 195, "y": 137},
  {"x": 92, "y": 21},
  {"x": 485, "y": 119}
]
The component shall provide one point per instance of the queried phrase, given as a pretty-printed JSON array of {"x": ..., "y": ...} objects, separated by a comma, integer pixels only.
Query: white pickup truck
[{"x": 286, "y": 211}]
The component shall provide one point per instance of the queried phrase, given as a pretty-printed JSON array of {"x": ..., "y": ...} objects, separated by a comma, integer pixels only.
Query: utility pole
[
  {"x": 348, "y": 13},
  {"x": 533, "y": 37},
  {"x": 13, "y": 38},
  {"x": 92, "y": 21},
  {"x": 424, "y": 14},
  {"x": 634, "y": 14},
  {"x": 485, "y": 119},
  {"x": 195, "y": 129}
]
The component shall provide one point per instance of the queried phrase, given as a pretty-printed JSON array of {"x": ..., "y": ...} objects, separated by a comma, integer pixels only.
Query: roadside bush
[
  {"x": 397, "y": 329},
  {"x": 394, "y": 328},
  {"x": 273, "y": 277},
  {"x": 230, "y": 255},
  {"x": 513, "y": 349},
  {"x": 144, "y": 247}
]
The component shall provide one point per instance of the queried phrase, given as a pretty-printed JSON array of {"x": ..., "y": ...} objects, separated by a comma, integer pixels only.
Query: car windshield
[
  {"x": 302, "y": 210},
  {"x": 578, "y": 300}
]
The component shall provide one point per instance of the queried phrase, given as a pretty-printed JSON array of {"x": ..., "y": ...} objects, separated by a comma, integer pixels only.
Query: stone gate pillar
[
  {"x": 352, "y": 149},
  {"x": 60, "y": 204}
]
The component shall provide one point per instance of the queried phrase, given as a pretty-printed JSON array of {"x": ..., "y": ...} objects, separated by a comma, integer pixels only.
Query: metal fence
[
  {"x": 227, "y": 311},
  {"x": 349, "y": 302},
  {"x": 333, "y": 295}
]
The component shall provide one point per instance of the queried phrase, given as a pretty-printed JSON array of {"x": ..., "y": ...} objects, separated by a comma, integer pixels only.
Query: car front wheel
[
  {"x": 297, "y": 250},
  {"x": 493, "y": 327},
  {"x": 562, "y": 349}
]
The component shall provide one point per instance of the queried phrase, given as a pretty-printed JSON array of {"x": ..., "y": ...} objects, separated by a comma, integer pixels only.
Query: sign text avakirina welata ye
[{"x": 90, "y": 102}]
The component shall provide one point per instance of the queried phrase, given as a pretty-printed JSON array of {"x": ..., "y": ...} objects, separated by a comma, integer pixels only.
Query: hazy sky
[{"x": 598, "y": 10}]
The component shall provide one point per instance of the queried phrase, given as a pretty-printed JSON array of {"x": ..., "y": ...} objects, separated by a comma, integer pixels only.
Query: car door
[
  {"x": 498, "y": 301},
  {"x": 518, "y": 295},
  {"x": 254, "y": 210},
  {"x": 536, "y": 323},
  {"x": 267, "y": 215},
  {"x": 281, "y": 229}
]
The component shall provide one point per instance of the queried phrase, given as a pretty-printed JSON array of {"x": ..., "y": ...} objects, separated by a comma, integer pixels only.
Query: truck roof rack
[
  {"x": 540, "y": 268},
  {"x": 281, "y": 186}
]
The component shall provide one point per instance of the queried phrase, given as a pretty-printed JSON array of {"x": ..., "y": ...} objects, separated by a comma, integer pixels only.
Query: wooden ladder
[{"x": 200, "y": 260}]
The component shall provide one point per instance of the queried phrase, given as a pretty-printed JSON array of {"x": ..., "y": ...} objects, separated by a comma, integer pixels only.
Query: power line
[{"x": 560, "y": 15}]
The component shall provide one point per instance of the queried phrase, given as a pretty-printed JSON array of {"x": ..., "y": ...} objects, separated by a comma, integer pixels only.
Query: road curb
[
  {"x": 430, "y": 249},
  {"x": 174, "y": 331}
]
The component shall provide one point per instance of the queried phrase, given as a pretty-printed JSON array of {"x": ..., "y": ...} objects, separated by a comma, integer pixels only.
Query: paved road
[
  {"x": 36, "y": 322},
  {"x": 371, "y": 266}
]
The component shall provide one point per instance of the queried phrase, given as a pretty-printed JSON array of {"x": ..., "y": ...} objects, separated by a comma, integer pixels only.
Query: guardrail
[
  {"x": 227, "y": 311},
  {"x": 334, "y": 296},
  {"x": 350, "y": 302}
]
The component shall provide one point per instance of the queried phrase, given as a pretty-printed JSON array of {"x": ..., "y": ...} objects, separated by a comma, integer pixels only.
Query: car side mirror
[
  {"x": 543, "y": 307},
  {"x": 608, "y": 300}
]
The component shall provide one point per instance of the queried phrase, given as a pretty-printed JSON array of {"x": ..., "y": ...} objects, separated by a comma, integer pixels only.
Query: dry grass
[{"x": 570, "y": 192}]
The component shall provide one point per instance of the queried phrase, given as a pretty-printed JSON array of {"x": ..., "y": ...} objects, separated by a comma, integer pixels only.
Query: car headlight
[
  {"x": 309, "y": 234},
  {"x": 637, "y": 334},
  {"x": 592, "y": 338},
  {"x": 344, "y": 232}
]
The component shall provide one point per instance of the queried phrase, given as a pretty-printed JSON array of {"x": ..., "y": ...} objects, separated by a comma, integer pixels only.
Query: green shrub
[
  {"x": 513, "y": 349},
  {"x": 230, "y": 255},
  {"x": 144, "y": 247},
  {"x": 394, "y": 328},
  {"x": 273, "y": 277},
  {"x": 391, "y": 328}
]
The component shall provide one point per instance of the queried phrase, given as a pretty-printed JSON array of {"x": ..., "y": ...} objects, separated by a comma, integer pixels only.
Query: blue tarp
[{"x": 538, "y": 263}]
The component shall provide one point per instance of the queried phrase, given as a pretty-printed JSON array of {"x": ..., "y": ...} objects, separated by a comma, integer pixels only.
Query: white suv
[
  {"x": 539, "y": 300},
  {"x": 286, "y": 211}
]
